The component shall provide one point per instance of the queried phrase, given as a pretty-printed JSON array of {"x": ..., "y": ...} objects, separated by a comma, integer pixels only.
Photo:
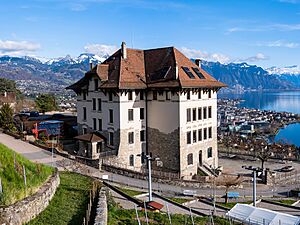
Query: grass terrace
[
  {"x": 69, "y": 203},
  {"x": 11, "y": 174},
  {"x": 119, "y": 216}
]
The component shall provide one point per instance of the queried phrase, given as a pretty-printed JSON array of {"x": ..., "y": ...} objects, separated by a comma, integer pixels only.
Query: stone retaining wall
[
  {"x": 25, "y": 210},
  {"x": 101, "y": 211}
]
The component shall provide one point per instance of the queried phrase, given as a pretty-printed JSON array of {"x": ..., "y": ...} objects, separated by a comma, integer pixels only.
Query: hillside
[
  {"x": 34, "y": 76},
  {"x": 12, "y": 176}
]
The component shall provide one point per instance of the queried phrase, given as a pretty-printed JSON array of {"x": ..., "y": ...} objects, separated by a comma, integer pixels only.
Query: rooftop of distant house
[{"x": 153, "y": 68}]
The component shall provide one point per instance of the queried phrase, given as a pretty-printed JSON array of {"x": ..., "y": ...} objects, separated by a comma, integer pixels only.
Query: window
[
  {"x": 194, "y": 114},
  {"x": 95, "y": 84},
  {"x": 188, "y": 95},
  {"x": 131, "y": 160},
  {"x": 209, "y": 112},
  {"x": 99, "y": 124},
  {"x": 210, "y": 132},
  {"x": 99, "y": 147},
  {"x": 94, "y": 124},
  {"x": 154, "y": 95},
  {"x": 130, "y": 114},
  {"x": 130, "y": 138},
  {"x": 111, "y": 116},
  {"x": 142, "y": 113},
  {"x": 188, "y": 72},
  {"x": 84, "y": 95},
  {"x": 84, "y": 130},
  {"x": 84, "y": 113},
  {"x": 200, "y": 135},
  {"x": 199, "y": 74},
  {"x": 204, "y": 112},
  {"x": 141, "y": 95},
  {"x": 168, "y": 95},
  {"x": 194, "y": 136},
  {"x": 129, "y": 95},
  {"x": 188, "y": 115},
  {"x": 200, "y": 113},
  {"x": 94, "y": 104},
  {"x": 209, "y": 152},
  {"x": 205, "y": 133},
  {"x": 111, "y": 138},
  {"x": 209, "y": 94},
  {"x": 110, "y": 96},
  {"x": 190, "y": 159},
  {"x": 99, "y": 104},
  {"x": 188, "y": 137},
  {"x": 142, "y": 135},
  {"x": 199, "y": 94}
]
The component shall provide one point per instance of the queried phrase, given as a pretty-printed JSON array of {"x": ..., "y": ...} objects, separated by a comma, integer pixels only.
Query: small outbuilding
[{"x": 90, "y": 145}]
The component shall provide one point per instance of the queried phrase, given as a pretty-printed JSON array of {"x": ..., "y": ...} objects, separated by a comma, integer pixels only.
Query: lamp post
[
  {"x": 255, "y": 170},
  {"x": 149, "y": 159}
]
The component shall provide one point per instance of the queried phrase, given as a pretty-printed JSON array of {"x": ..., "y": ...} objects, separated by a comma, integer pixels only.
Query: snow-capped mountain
[
  {"x": 82, "y": 58},
  {"x": 66, "y": 70},
  {"x": 291, "y": 70}
]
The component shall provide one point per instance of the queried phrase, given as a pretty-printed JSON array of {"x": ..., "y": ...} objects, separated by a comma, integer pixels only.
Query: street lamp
[
  {"x": 255, "y": 170},
  {"x": 149, "y": 159}
]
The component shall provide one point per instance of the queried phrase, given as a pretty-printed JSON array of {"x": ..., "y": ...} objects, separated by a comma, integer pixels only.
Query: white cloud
[
  {"x": 289, "y": 1},
  {"x": 257, "y": 57},
  {"x": 78, "y": 7},
  {"x": 18, "y": 48},
  {"x": 100, "y": 49},
  {"x": 193, "y": 53},
  {"x": 279, "y": 43},
  {"x": 217, "y": 57}
]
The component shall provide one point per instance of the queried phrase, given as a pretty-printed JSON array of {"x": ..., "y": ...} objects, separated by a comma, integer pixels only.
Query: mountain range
[{"x": 66, "y": 70}]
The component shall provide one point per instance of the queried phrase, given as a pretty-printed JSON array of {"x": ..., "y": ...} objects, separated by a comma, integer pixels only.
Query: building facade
[{"x": 155, "y": 102}]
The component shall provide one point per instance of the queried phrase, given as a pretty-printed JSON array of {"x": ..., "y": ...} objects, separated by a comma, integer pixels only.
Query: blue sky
[{"x": 262, "y": 32}]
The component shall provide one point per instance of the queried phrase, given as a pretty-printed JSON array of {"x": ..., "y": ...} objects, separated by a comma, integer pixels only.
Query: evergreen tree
[
  {"x": 6, "y": 117},
  {"x": 46, "y": 103}
]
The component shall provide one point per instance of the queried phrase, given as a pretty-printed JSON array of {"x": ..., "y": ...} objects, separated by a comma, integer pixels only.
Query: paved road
[
  {"x": 278, "y": 208},
  {"x": 39, "y": 155}
]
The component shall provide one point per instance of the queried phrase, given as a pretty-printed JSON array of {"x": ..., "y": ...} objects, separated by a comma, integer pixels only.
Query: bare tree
[
  {"x": 229, "y": 181},
  {"x": 264, "y": 155}
]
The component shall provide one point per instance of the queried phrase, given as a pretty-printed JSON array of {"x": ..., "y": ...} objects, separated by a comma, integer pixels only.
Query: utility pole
[
  {"x": 254, "y": 171},
  {"x": 149, "y": 159}
]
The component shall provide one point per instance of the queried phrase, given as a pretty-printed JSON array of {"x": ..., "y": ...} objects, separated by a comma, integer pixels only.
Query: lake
[{"x": 288, "y": 101}]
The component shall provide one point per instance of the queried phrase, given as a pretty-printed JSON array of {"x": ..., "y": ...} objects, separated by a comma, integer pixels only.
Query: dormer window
[
  {"x": 188, "y": 72},
  {"x": 199, "y": 74}
]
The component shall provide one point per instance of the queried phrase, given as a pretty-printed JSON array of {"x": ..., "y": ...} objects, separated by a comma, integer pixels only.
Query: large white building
[{"x": 150, "y": 101}]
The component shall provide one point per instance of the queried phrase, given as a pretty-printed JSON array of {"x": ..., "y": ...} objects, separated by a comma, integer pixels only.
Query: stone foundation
[{"x": 25, "y": 210}]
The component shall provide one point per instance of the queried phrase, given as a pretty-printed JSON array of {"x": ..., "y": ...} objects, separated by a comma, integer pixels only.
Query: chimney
[
  {"x": 5, "y": 94},
  {"x": 91, "y": 65},
  {"x": 198, "y": 62},
  {"x": 176, "y": 71},
  {"x": 124, "y": 50}
]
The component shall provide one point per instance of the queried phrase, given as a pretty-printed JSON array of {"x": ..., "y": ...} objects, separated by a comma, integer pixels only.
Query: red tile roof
[{"x": 153, "y": 68}]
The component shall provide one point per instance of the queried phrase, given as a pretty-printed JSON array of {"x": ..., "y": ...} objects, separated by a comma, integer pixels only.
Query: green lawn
[
  {"x": 181, "y": 200},
  {"x": 286, "y": 201},
  {"x": 118, "y": 216},
  {"x": 232, "y": 204},
  {"x": 69, "y": 202},
  {"x": 131, "y": 192},
  {"x": 12, "y": 176}
]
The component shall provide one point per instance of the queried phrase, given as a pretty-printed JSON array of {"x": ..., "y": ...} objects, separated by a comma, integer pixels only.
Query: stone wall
[
  {"x": 25, "y": 210},
  {"x": 101, "y": 211},
  {"x": 166, "y": 147}
]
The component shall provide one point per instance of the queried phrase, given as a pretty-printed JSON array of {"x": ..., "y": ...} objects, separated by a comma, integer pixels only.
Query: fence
[
  {"x": 140, "y": 171},
  {"x": 91, "y": 208}
]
